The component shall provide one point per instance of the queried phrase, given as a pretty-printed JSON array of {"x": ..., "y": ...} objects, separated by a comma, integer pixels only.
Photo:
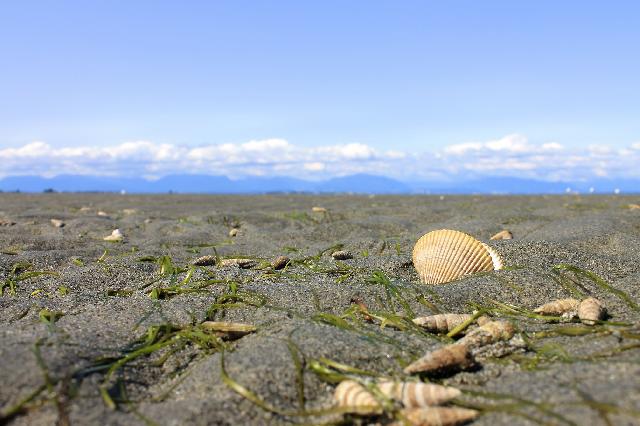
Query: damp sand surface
[{"x": 109, "y": 333}]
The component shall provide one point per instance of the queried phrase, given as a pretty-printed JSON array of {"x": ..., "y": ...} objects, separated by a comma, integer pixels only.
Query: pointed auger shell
[
  {"x": 591, "y": 310},
  {"x": 438, "y": 416},
  {"x": 352, "y": 395},
  {"x": 447, "y": 359},
  {"x": 441, "y": 323},
  {"x": 557, "y": 307},
  {"x": 418, "y": 394},
  {"x": 446, "y": 255},
  {"x": 488, "y": 333}
]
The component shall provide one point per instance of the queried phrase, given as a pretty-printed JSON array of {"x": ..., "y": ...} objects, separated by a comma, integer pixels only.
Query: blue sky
[{"x": 410, "y": 78}]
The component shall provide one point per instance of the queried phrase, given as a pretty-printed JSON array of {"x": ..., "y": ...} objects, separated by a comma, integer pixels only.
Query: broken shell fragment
[
  {"x": 356, "y": 398},
  {"x": 503, "y": 235},
  {"x": 280, "y": 262},
  {"x": 488, "y": 333},
  {"x": 438, "y": 416},
  {"x": 441, "y": 323},
  {"x": 341, "y": 255},
  {"x": 115, "y": 236},
  {"x": 418, "y": 394},
  {"x": 446, "y": 255},
  {"x": 240, "y": 263},
  {"x": 228, "y": 330},
  {"x": 558, "y": 307},
  {"x": 57, "y": 223},
  {"x": 447, "y": 359},
  {"x": 233, "y": 232},
  {"x": 205, "y": 261},
  {"x": 591, "y": 310}
]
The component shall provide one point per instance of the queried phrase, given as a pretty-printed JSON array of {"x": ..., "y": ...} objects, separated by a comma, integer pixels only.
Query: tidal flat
[{"x": 110, "y": 332}]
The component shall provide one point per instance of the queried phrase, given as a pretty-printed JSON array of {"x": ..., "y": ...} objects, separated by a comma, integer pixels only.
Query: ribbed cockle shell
[
  {"x": 591, "y": 310},
  {"x": 418, "y": 394},
  {"x": 446, "y": 255},
  {"x": 449, "y": 358},
  {"x": 438, "y": 416},
  {"x": 557, "y": 307},
  {"x": 356, "y": 398}
]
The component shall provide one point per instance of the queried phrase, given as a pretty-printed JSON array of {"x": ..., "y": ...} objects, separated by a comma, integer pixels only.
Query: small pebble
[
  {"x": 280, "y": 262},
  {"x": 341, "y": 255}
]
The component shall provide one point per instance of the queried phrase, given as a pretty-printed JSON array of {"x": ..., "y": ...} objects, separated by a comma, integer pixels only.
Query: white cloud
[{"x": 512, "y": 155}]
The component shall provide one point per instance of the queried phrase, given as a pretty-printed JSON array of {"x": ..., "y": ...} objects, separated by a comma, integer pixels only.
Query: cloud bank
[{"x": 511, "y": 155}]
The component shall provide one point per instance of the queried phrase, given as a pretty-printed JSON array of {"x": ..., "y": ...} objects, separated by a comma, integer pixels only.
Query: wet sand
[{"x": 72, "y": 341}]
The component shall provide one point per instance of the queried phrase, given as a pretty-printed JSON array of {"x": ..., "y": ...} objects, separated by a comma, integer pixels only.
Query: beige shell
[
  {"x": 418, "y": 394},
  {"x": 438, "y": 416},
  {"x": 452, "y": 357},
  {"x": 488, "y": 333},
  {"x": 446, "y": 255},
  {"x": 116, "y": 235},
  {"x": 341, "y": 255},
  {"x": 502, "y": 235},
  {"x": 280, "y": 262},
  {"x": 441, "y": 323},
  {"x": 240, "y": 263},
  {"x": 228, "y": 330},
  {"x": 356, "y": 398},
  {"x": 557, "y": 307},
  {"x": 57, "y": 223},
  {"x": 205, "y": 261},
  {"x": 591, "y": 310}
]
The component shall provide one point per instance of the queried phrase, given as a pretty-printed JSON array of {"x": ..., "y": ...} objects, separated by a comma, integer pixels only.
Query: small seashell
[
  {"x": 280, "y": 262},
  {"x": 233, "y": 232},
  {"x": 591, "y": 310},
  {"x": 205, "y": 261},
  {"x": 356, "y": 397},
  {"x": 57, "y": 223},
  {"x": 446, "y": 255},
  {"x": 229, "y": 330},
  {"x": 240, "y": 263},
  {"x": 418, "y": 394},
  {"x": 318, "y": 209},
  {"x": 503, "y": 235},
  {"x": 558, "y": 307},
  {"x": 449, "y": 358},
  {"x": 116, "y": 235},
  {"x": 341, "y": 255},
  {"x": 441, "y": 323},
  {"x": 438, "y": 416},
  {"x": 488, "y": 333}
]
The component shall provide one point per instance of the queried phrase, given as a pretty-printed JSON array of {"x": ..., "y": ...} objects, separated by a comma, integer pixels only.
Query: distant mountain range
[{"x": 359, "y": 183}]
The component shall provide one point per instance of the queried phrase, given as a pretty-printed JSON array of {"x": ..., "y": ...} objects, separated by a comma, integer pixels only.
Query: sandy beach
[{"x": 109, "y": 333}]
